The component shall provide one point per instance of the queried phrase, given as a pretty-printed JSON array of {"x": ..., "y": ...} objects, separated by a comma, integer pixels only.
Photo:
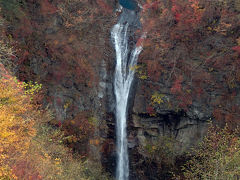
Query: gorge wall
[{"x": 187, "y": 73}]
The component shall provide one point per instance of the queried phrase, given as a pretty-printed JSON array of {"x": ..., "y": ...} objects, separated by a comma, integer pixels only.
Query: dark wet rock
[{"x": 129, "y": 4}]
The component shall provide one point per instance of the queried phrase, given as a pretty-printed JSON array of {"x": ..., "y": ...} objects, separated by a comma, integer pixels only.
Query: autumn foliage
[
  {"x": 195, "y": 47},
  {"x": 191, "y": 56},
  {"x": 16, "y": 124},
  {"x": 217, "y": 157},
  {"x": 30, "y": 148}
]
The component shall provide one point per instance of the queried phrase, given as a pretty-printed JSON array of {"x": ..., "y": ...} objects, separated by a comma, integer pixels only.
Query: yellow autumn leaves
[
  {"x": 16, "y": 123},
  {"x": 157, "y": 98},
  {"x": 30, "y": 148}
]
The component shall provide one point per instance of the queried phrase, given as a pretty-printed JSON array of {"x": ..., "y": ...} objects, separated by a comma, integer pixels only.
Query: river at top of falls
[{"x": 126, "y": 60}]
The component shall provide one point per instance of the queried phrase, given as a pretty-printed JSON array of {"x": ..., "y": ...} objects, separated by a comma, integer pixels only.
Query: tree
[
  {"x": 217, "y": 157},
  {"x": 16, "y": 124},
  {"x": 29, "y": 147}
]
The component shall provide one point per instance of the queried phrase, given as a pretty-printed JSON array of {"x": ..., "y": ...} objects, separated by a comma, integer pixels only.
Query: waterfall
[{"x": 124, "y": 75}]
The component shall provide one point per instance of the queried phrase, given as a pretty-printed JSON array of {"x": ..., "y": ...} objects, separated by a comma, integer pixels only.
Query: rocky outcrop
[{"x": 187, "y": 127}]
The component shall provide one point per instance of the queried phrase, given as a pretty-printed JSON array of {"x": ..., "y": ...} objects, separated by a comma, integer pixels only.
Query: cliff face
[
  {"x": 172, "y": 132},
  {"x": 66, "y": 46},
  {"x": 184, "y": 73},
  {"x": 187, "y": 73}
]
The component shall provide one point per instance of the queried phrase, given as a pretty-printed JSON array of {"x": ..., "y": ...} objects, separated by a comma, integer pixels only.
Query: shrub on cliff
[
  {"x": 53, "y": 160},
  {"x": 217, "y": 157},
  {"x": 6, "y": 54},
  {"x": 161, "y": 153},
  {"x": 12, "y": 9}
]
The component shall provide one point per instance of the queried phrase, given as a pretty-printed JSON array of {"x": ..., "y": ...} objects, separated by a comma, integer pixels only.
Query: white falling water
[{"x": 124, "y": 75}]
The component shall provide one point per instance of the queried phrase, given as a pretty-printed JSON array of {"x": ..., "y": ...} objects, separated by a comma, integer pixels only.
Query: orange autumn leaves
[
  {"x": 16, "y": 123},
  {"x": 189, "y": 13},
  {"x": 30, "y": 148}
]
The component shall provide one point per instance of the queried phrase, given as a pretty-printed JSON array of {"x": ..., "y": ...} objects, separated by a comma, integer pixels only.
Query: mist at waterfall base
[{"x": 126, "y": 60}]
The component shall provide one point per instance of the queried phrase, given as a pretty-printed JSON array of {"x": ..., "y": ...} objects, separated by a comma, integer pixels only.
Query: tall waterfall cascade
[{"x": 126, "y": 60}]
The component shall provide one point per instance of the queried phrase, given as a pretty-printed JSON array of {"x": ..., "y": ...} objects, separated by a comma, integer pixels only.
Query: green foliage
[
  {"x": 162, "y": 150},
  {"x": 31, "y": 87},
  {"x": 57, "y": 161},
  {"x": 217, "y": 157},
  {"x": 140, "y": 70},
  {"x": 93, "y": 121},
  {"x": 12, "y": 9}
]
